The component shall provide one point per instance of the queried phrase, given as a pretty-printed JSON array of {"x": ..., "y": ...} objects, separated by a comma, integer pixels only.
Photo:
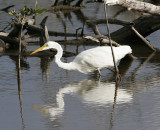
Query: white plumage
[{"x": 89, "y": 60}]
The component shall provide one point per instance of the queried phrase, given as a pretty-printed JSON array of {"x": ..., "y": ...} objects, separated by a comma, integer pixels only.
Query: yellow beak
[{"x": 39, "y": 49}]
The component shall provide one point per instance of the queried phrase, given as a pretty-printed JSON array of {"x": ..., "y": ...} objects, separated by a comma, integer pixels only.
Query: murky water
[{"x": 56, "y": 99}]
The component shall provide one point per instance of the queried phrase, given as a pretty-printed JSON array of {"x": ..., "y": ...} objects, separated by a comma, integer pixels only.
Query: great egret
[{"x": 89, "y": 60}]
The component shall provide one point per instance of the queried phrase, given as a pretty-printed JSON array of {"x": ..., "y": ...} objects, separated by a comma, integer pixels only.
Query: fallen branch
[
  {"x": 138, "y": 6},
  {"x": 63, "y": 8},
  {"x": 89, "y": 40}
]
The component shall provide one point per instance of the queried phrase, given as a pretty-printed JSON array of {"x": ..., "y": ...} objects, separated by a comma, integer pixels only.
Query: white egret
[{"x": 88, "y": 60}]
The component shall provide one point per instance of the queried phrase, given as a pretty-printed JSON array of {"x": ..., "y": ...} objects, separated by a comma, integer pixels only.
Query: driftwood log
[{"x": 137, "y": 5}]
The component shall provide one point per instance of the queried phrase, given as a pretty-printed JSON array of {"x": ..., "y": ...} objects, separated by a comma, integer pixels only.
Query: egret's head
[
  {"x": 129, "y": 50},
  {"x": 53, "y": 46}
]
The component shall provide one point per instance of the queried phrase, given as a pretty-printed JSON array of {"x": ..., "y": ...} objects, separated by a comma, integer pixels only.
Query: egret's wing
[{"x": 97, "y": 57}]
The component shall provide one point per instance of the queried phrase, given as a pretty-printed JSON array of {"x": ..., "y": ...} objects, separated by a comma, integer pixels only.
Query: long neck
[{"x": 67, "y": 66}]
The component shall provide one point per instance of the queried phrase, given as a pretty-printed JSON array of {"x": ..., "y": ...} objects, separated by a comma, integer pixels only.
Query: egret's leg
[{"x": 99, "y": 73}]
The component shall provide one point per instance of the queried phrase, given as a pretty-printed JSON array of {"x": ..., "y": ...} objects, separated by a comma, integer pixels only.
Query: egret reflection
[{"x": 91, "y": 93}]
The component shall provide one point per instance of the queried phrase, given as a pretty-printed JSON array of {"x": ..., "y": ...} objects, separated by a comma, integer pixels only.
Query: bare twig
[
  {"x": 143, "y": 39},
  {"x": 115, "y": 64}
]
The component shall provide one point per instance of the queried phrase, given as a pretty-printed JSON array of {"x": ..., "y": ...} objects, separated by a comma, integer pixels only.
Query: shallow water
[{"x": 56, "y": 99}]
